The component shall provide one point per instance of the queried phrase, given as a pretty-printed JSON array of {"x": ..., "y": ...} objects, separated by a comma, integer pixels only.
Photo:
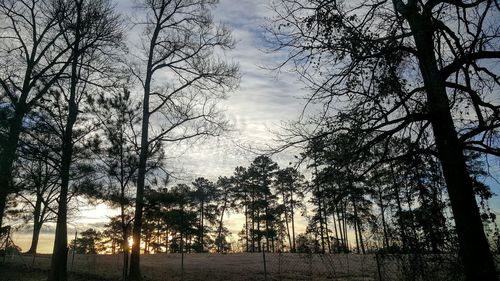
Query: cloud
[{"x": 263, "y": 101}]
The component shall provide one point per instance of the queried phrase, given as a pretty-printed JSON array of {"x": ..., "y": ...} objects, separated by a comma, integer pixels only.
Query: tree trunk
[
  {"x": 385, "y": 242},
  {"x": 259, "y": 236},
  {"x": 202, "y": 225},
  {"x": 125, "y": 257},
  {"x": 37, "y": 225},
  {"x": 293, "y": 221},
  {"x": 344, "y": 226},
  {"x": 356, "y": 237},
  {"x": 286, "y": 218},
  {"x": 219, "y": 250},
  {"x": 474, "y": 249},
  {"x": 341, "y": 231},
  {"x": 135, "y": 272},
  {"x": 266, "y": 213},
  {"x": 8, "y": 156},
  {"x": 361, "y": 242},
  {"x": 246, "y": 224},
  {"x": 320, "y": 211},
  {"x": 252, "y": 234},
  {"x": 402, "y": 226},
  {"x": 327, "y": 231},
  {"x": 58, "y": 268},
  {"x": 337, "y": 246},
  {"x": 60, "y": 253}
]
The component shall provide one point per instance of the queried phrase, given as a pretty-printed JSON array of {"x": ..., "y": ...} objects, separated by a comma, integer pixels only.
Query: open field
[
  {"x": 238, "y": 267},
  {"x": 20, "y": 273}
]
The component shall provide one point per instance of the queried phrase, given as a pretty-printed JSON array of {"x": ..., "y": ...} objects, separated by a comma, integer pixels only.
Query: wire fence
[{"x": 251, "y": 266}]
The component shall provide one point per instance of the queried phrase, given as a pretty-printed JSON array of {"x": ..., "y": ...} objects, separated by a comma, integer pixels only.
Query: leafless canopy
[{"x": 360, "y": 60}]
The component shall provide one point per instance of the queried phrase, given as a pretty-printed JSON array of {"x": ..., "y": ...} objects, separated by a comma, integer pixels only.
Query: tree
[
  {"x": 114, "y": 234},
  {"x": 263, "y": 201},
  {"x": 407, "y": 68},
  {"x": 94, "y": 34},
  {"x": 33, "y": 60},
  {"x": 181, "y": 220},
  {"x": 242, "y": 193},
  {"x": 88, "y": 243},
  {"x": 39, "y": 193},
  {"x": 37, "y": 174},
  {"x": 225, "y": 195},
  {"x": 290, "y": 183},
  {"x": 182, "y": 41},
  {"x": 204, "y": 195},
  {"x": 116, "y": 155}
]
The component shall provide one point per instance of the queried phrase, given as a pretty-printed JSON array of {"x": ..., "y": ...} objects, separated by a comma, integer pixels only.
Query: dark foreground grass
[{"x": 10, "y": 272}]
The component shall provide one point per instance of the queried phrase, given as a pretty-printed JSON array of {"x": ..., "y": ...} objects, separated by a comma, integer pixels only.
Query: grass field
[
  {"x": 226, "y": 267},
  {"x": 21, "y": 273},
  {"x": 239, "y": 267}
]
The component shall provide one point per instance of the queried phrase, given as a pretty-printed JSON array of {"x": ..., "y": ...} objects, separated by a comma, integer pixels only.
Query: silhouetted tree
[
  {"x": 403, "y": 68},
  {"x": 290, "y": 185},
  {"x": 88, "y": 243},
  {"x": 263, "y": 201},
  {"x": 180, "y": 40},
  {"x": 242, "y": 193},
  {"x": 33, "y": 60},
  {"x": 94, "y": 35},
  {"x": 115, "y": 150},
  {"x": 204, "y": 195}
]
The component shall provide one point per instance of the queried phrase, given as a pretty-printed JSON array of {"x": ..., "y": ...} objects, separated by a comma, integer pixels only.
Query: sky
[{"x": 263, "y": 101}]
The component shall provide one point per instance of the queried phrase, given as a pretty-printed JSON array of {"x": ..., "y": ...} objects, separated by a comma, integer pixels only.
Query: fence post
[
  {"x": 378, "y": 267},
  {"x": 265, "y": 266},
  {"x": 279, "y": 264}
]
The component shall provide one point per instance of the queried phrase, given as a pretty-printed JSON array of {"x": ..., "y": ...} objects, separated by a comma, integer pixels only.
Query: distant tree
[
  {"x": 37, "y": 177},
  {"x": 225, "y": 194},
  {"x": 112, "y": 235},
  {"x": 88, "y": 243},
  {"x": 204, "y": 196},
  {"x": 242, "y": 193},
  {"x": 223, "y": 245},
  {"x": 313, "y": 151},
  {"x": 289, "y": 183},
  {"x": 263, "y": 202},
  {"x": 38, "y": 194},
  {"x": 306, "y": 244},
  {"x": 182, "y": 221}
]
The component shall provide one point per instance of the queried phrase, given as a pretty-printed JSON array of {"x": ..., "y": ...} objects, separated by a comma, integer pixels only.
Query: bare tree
[
  {"x": 183, "y": 76},
  {"x": 94, "y": 36},
  {"x": 38, "y": 193},
  {"x": 32, "y": 60},
  {"x": 416, "y": 69}
]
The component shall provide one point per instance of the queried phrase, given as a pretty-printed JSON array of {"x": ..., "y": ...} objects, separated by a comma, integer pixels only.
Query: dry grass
[
  {"x": 224, "y": 267},
  {"x": 16, "y": 272}
]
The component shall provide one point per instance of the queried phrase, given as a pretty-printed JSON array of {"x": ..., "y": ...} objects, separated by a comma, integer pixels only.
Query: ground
[
  {"x": 21, "y": 273},
  {"x": 229, "y": 267}
]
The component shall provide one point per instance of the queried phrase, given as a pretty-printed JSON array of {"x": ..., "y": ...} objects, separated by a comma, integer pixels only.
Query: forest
[{"x": 395, "y": 152}]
